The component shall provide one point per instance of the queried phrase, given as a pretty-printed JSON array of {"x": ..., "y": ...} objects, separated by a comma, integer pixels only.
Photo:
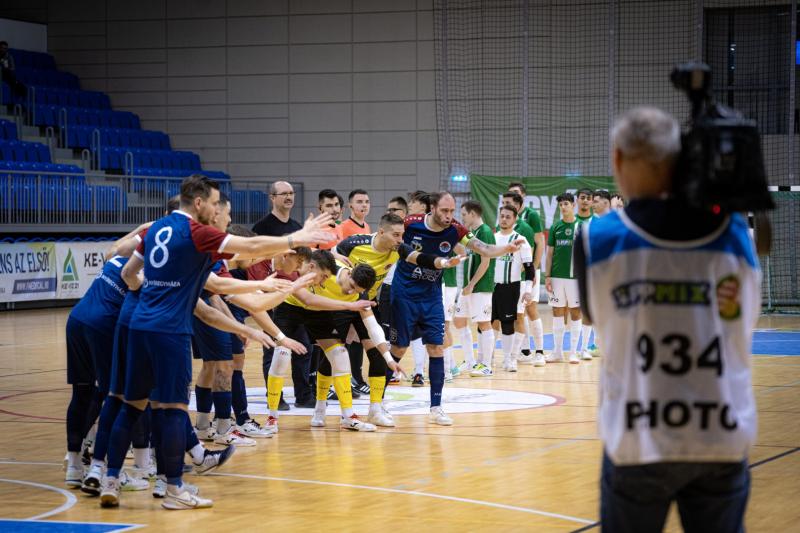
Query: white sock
[
  {"x": 141, "y": 457},
  {"x": 420, "y": 354},
  {"x": 321, "y": 406},
  {"x": 74, "y": 459},
  {"x": 223, "y": 425},
  {"x": 508, "y": 346},
  {"x": 466, "y": 345},
  {"x": 487, "y": 345},
  {"x": 585, "y": 332},
  {"x": 273, "y": 413},
  {"x": 596, "y": 339},
  {"x": 558, "y": 334},
  {"x": 516, "y": 344},
  {"x": 198, "y": 453},
  {"x": 98, "y": 463},
  {"x": 448, "y": 359},
  {"x": 574, "y": 334},
  {"x": 347, "y": 412},
  {"x": 203, "y": 420},
  {"x": 527, "y": 332},
  {"x": 538, "y": 334}
]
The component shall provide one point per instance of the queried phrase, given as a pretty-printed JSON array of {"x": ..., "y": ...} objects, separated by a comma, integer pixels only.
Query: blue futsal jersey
[
  {"x": 418, "y": 283},
  {"x": 101, "y": 304},
  {"x": 177, "y": 253}
]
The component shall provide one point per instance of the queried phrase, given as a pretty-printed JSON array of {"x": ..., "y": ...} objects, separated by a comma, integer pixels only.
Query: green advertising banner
[{"x": 541, "y": 192}]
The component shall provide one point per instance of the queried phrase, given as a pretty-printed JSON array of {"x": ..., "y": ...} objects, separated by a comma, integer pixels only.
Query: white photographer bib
[{"x": 676, "y": 320}]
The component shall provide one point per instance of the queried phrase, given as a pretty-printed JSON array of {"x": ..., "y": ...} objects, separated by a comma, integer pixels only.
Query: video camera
[{"x": 720, "y": 167}]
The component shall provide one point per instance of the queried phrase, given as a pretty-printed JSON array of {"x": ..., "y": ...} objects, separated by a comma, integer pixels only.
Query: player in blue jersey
[
  {"x": 175, "y": 256},
  {"x": 417, "y": 288},
  {"x": 90, "y": 340}
]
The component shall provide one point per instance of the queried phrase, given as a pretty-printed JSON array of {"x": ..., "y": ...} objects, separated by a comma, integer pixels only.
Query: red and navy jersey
[
  {"x": 418, "y": 283},
  {"x": 220, "y": 269},
  {"x": 177, "y": 253},
  {"x": 132, "y": 298},
  {"x": 101, "y": 304}
]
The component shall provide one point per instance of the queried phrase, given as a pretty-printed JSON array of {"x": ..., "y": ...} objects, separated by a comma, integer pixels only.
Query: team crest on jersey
[
  {"x": 568, "y": 232},
  {"x": 445, "y": 247},
  {"x": 728, "y": 298}
]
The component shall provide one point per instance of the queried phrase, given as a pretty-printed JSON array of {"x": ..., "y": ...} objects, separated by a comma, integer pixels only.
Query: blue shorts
[
  {"x": 412, "y": 319},
  {"x": 119, "y": 359},
  {"x": 88, "y": 355},
  {"x": 159, "y": 366},
  {"x": 210, "y": 344}
]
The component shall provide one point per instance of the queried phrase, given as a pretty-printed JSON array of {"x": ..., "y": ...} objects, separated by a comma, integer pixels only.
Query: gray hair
[{"x": 647, "y": 133}]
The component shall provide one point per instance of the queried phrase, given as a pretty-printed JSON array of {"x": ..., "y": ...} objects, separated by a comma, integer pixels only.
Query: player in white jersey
[
  {"x": 511, "y": 294},
  {"x": 675, "y": 294}
]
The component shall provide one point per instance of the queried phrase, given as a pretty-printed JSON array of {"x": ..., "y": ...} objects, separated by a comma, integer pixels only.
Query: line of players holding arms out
[
  {"x": 157, "y": 300},
  {"x": 129, "y": 340}
]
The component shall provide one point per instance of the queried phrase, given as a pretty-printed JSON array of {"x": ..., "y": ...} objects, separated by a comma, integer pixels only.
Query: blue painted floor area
[
  {"x": 54, "y": 526},
  {"x": 765, "y": 342}
]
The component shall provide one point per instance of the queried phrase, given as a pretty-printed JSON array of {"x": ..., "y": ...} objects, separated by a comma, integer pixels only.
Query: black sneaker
[
  {"x": 361, "y": 388},
  {"x": 309, "y": 403},
  {"x": 332, "y": 395},
  {"x": 213, "y": 459},
  {"x": 86, "y": 456},
  {"x": 527, "y": 352},
  {"x": 283, "y": 406},
  {"x": 417, "y": 381}
]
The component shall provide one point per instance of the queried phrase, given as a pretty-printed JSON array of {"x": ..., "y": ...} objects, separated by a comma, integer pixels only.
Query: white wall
[{"x": 334, "y": 93}]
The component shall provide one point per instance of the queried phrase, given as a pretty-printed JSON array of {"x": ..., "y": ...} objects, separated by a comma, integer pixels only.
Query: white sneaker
[
  {"x": 439, "y": 417},
  {"x": 184, "y": 500},
  {"x": 74, "y": 477},
  {"x": 213, "y": 459},
  {"x": 253, "y": 429},
  {"x": 207, "y": 434},
  {"x": 318, "y": 420},
  {"x": 525, "y": 359},
  {"x": 586, "y": 355},
  {"x": 160, "y": 487},
  {"x": 131, "y": 483},
  {"x": 271, "y": 425},
  {"x": 481, "y": 371},
  {"x": 353, "y": 423},
  {"x": 109, "y": 492},
  {"x": 538, "y": 360},
  {"x": 91, "y": 482},
  {"x": 512, "y": 366},
  {"x": 555, "y": 357},
  {"x": 574, "y": 358},
  {"x": 379, "y": 416},
  {"x": 233, "y": 437}
]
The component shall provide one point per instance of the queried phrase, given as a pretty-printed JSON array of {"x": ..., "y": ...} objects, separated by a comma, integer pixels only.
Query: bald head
[{"x": 281, "y": 193}]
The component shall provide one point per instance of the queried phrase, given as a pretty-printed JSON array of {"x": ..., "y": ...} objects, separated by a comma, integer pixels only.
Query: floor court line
[
  {"x": 413, "y": 493},
  {"x": 71, "y": 499}
]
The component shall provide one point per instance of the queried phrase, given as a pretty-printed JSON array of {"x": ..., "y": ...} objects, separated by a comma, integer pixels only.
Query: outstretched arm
[{"x": 494, "y": 250}]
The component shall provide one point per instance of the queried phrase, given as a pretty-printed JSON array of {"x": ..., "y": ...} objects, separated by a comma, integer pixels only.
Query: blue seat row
[
  {"x": 24, "y": 151},
  {"x": 81, "y": 137},
  {"x": 47, "y": 78},
  {"x": 47, "y": 115},
  {"x": 31, "y": 59},
  {"x": 114, "y": 158},
  {"x": 40, "y": 167},
  {"x": 249, "y": 202},
  {"x": 8, "y": 130},
  {"x": 54, "y": 193},
  {"x": 72, "y": 98},
  {"x": 179, "y": 173}
]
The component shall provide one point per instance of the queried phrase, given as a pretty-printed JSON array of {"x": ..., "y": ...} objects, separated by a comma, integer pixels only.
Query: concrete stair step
[{"x": 69, "y": 161}]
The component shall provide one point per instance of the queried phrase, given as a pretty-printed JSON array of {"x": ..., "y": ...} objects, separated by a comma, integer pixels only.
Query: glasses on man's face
[{"x": 290, "y": 193}]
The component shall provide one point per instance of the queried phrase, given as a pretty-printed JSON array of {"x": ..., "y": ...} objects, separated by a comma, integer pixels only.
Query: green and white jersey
[
  {"x": 532, "y": 218},
  {"x": 508, "y": 268},
  {"x": 584, "y": 219},
  {"x": 449, "y": 277},
  {"x": 561, "y": 237},
  {"x": 486, "y": 283}
]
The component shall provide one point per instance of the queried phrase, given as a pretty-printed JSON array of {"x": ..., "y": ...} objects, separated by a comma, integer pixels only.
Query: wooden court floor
[{"x": 525, "y": 469}]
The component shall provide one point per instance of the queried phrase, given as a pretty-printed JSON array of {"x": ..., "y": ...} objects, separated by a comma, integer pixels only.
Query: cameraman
[{"x": 674, "y": 293}]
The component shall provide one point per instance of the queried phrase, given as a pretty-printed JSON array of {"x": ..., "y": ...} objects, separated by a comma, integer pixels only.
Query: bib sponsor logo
[
  {"x": 728, "y": 298},
  {"x": 445, "y": 247},
  {"x": 416, "y": 401},
  {"x": 653, "y": 292}
]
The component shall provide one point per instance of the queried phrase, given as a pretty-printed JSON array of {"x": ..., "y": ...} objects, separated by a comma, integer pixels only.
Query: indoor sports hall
[{"x": 108, "y": 107}]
